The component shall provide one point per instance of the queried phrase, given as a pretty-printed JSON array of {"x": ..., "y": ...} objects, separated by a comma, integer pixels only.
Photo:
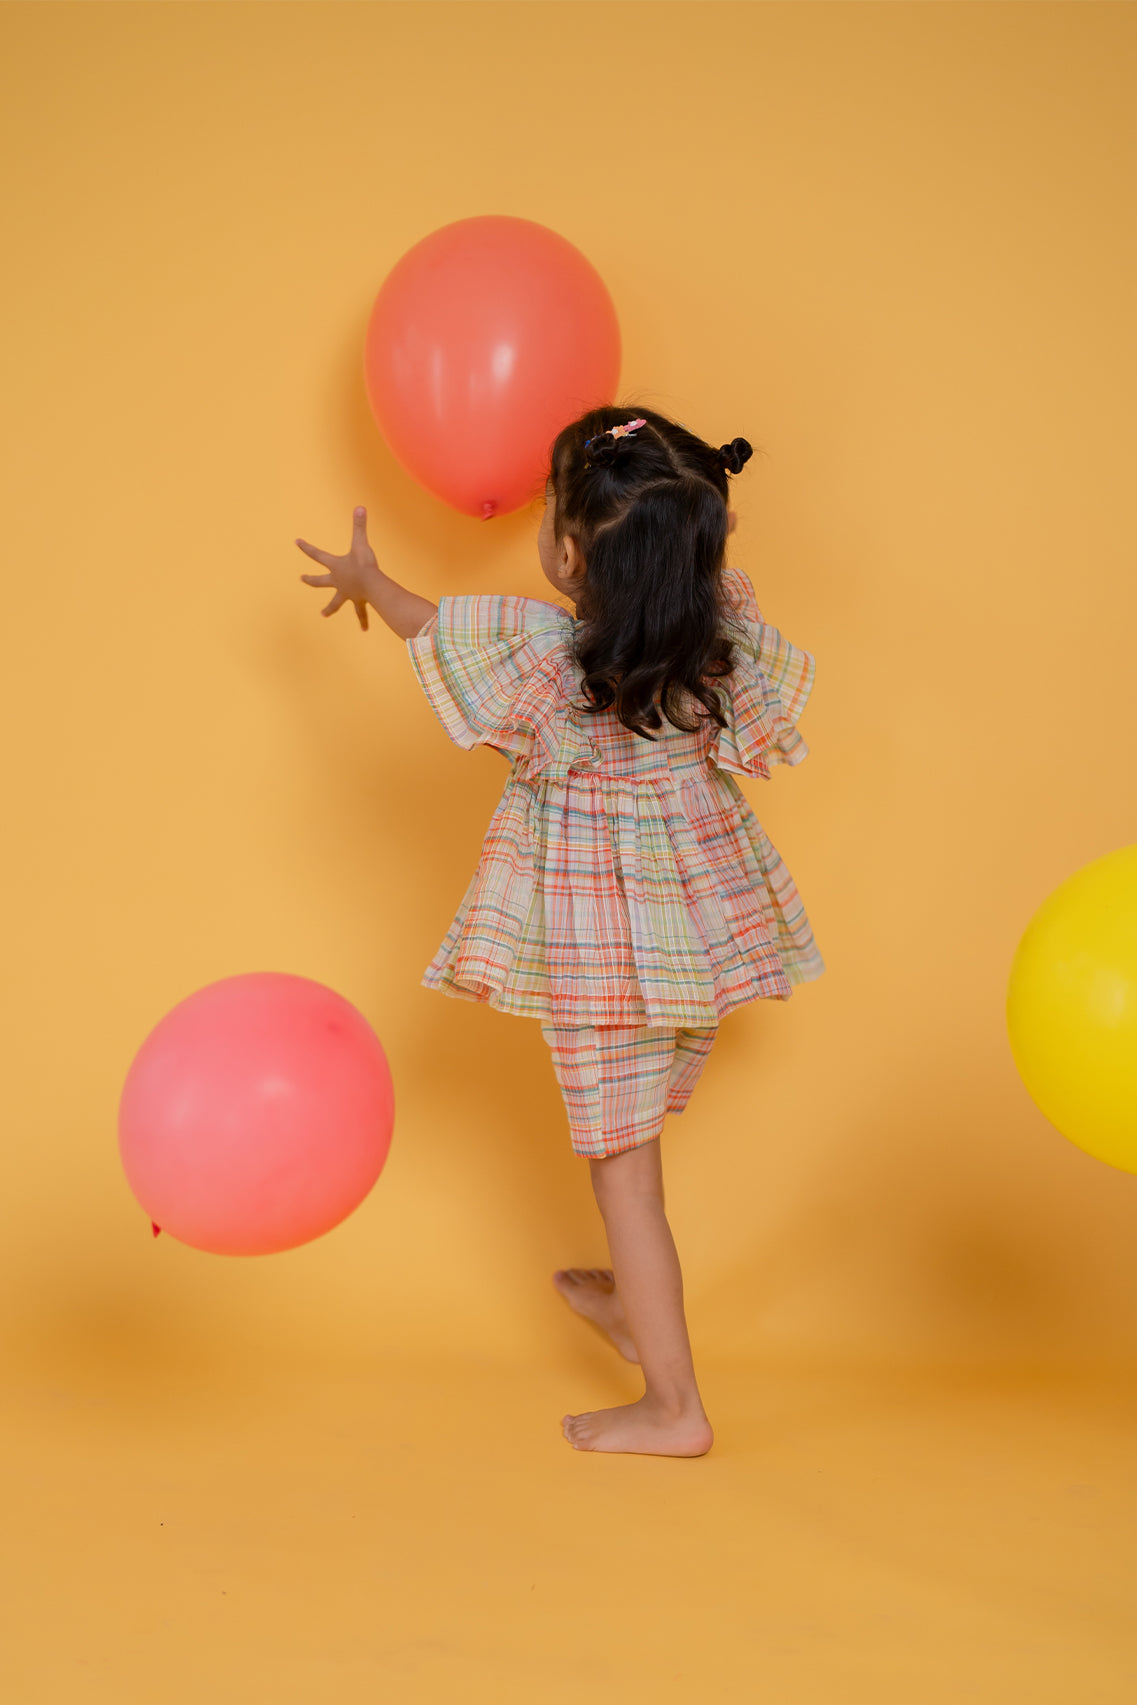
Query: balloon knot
[
  {"x": 157, "y": 1228},
  {"x": 489, "y": 507}
]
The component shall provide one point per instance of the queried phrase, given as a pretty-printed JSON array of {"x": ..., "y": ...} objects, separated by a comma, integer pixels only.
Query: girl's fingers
[
  {"x": 361, "y": 612},
  {"x": 317, "y": 579},
  {"x": 326, "y": 557},
  {"x": 360, "y": 522},
  {"x": 330, "y": 609}
]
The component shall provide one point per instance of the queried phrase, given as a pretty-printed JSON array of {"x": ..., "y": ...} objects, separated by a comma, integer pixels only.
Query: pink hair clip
[{"x": 617, "y": 431}]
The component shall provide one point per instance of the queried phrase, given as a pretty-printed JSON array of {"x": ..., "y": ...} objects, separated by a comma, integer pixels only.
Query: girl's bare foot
[
  {"x": 643, "y": 1427},
  {"x": 591, "y": 1291}
]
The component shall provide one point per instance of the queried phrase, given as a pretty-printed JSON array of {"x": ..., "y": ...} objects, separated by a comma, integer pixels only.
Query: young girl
[{"x": 626, "y": 895}]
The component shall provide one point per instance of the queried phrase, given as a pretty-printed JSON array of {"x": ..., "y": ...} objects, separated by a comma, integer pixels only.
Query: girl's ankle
[{"x": 675, "y": 1405}]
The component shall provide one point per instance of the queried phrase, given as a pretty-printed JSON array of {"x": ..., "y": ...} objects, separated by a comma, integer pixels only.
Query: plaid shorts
[{"x": 619, "y": 1080}]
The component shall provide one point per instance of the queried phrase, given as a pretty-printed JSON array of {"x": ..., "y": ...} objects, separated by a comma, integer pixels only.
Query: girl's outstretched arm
[{"x": 358, "y": 578}]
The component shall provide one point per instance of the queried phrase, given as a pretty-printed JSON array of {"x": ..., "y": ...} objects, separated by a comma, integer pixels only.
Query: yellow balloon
[{"x": 1072, "y": 1008}]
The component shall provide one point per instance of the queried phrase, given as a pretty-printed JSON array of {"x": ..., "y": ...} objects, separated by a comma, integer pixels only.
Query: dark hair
[{"x": 649, "y": 513}]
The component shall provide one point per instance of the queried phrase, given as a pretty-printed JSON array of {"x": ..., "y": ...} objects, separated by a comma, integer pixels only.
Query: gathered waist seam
[{"x": 708, "y": 778}]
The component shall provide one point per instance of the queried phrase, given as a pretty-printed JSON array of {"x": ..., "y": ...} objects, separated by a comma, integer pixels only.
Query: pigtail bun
[
  {"x": 605, "y": 451},
  {"x": 734, "y": 455}
]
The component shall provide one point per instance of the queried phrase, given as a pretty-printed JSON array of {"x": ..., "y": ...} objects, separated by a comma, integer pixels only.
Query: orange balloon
[{"x": 484, "y": 339}]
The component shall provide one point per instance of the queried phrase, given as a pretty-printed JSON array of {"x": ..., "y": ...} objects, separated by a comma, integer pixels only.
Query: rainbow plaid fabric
[
  {"x": 621, "y": 881},
  {"x": 619, "y": 1081}
]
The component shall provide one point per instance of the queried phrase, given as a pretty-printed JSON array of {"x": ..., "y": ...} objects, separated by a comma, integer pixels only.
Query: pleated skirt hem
[{"x": 533, "y": 1003}]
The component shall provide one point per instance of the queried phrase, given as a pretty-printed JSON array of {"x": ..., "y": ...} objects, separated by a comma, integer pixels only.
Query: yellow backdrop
[
  {"x": 890, "y": 245},
  {"x": 896, "y": 254}
]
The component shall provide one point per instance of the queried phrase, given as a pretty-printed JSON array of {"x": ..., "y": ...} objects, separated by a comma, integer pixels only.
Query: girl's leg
[
  {"x": 591, "y": 1293},
  {"x": 618, "y": 1083},
  {"x": 598, "y": 1078},
  {"x": 669, "y": 1419}
]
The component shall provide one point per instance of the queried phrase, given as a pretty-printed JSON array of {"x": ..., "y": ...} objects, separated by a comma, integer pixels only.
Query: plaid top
[{"x": 622, "y": 880}]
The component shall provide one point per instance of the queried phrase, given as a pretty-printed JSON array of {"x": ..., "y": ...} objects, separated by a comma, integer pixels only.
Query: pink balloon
[
  {"x": 484, "y": 340},
  {"x": 256, "y": 1115}
]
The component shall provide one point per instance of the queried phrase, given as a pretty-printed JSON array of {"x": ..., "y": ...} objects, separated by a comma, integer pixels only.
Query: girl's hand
[{"x": 348, "y": 574}]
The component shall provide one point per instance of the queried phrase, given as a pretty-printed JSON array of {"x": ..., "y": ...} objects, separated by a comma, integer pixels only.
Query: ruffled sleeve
[
  {"x": 767, "y": 692},
  {"x": 489, "y": 667}
]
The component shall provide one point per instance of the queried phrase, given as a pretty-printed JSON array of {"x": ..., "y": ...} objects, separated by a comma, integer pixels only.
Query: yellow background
[{"x": 892, "y": 246}]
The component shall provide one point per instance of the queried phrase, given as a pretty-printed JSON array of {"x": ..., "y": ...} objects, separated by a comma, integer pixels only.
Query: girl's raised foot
[
  {"x": 643, "y": 1427},
  {"x": 591, "y": 1291}
]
